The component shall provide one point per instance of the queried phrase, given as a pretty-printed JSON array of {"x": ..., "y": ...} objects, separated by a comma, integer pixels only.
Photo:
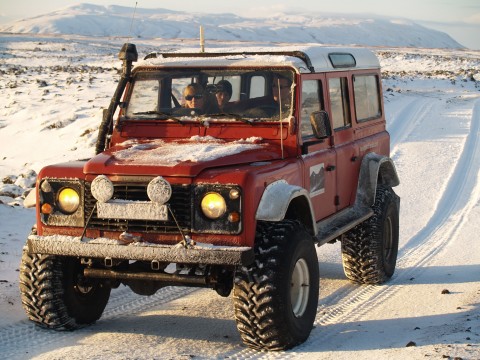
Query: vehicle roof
[{"x": 305, "y": 59}]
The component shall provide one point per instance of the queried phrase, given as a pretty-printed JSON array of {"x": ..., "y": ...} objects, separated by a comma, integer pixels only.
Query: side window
[
  {"x": 339, "y": 104},
  {"x": 257, "y": 86},
  {"x": 311, "y": 101},
  {"x": 144, "y": 97},
  {"x": 367, "y": 97}
]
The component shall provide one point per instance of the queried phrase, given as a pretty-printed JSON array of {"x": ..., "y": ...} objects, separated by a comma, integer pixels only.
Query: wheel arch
[
  {"x": 375, "y": 170},
  {"x": 281, "y": 200}
]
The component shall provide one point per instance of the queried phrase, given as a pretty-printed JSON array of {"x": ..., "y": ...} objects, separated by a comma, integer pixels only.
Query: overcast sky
[{"x": 458, "y": 18}]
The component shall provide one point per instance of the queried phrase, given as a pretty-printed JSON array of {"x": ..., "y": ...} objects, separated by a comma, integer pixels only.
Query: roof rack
[{"x": 298, "y": 54}]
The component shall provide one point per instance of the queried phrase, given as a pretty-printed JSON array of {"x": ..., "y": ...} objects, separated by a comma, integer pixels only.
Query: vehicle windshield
[{"x": 192, "y": 95}]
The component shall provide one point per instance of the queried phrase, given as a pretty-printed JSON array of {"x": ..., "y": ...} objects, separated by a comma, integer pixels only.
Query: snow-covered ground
[{"x": 52, "y": 89}]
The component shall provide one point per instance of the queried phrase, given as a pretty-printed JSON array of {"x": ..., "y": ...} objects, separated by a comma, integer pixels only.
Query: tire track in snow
[
  {"x": 415, "y": 110},
  {"x": 459, "y": 187},
  {"x": 123, "y": 302}
]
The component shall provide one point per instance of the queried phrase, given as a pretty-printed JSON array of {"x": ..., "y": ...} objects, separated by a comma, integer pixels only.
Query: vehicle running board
[{"x": 333, "y": 227}]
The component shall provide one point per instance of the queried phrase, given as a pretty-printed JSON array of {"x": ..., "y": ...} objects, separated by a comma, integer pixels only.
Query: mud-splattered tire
[
  {"x": 55, "y": 295},
  {"x": 369, "y": 251},
  {"x": 276, "y": 297}
]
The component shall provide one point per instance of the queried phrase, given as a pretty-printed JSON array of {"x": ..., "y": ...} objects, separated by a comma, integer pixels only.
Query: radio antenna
[
  {"x": 133, "y": 18},
  {"x": 202, "y": 40}
]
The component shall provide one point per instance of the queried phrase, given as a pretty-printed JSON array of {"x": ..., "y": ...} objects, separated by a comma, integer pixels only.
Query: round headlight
[
  {"x": 68, "y": 200},
  {"x": 213, "y": 205}
]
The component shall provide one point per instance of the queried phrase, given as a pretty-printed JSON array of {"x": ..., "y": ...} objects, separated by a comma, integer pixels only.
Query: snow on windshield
[{"x": 195, "y": 149}]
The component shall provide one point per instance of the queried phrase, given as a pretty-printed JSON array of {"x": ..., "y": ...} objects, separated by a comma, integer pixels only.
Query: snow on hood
[
  {"x": 196, "y": 149},
  {"x": 182, "y": 157}
]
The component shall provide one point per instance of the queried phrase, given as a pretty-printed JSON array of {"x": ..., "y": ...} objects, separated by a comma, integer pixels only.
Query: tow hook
[
  {"x": 187, "y": 242},
  {"x": 128, "y": 238}
]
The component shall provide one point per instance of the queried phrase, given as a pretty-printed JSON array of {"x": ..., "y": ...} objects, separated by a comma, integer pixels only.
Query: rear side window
[
  {"x": 339, "y": 104},
  {"x": 367, "y": 97}
]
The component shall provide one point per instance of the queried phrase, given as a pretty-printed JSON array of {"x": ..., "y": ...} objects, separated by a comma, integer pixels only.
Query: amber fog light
[
  {"x": 213, "y": 205},
  {"x": 46, "y": 209},
  {"x": 234, "y": 217},
  {"x": 68, "y": 200}
]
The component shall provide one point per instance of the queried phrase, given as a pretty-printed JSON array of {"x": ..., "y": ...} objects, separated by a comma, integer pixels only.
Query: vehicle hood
[{"x": 186, "y": 157}]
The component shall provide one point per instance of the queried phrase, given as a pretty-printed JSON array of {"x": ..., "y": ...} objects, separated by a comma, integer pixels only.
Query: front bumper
[{"x": 102, "y": 248}]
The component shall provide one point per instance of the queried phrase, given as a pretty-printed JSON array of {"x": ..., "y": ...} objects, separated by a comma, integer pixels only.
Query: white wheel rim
[{"x": 300, "y": 287}]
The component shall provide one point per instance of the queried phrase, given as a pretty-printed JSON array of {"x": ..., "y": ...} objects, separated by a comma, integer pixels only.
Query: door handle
[{"x": 330, "y": 167}]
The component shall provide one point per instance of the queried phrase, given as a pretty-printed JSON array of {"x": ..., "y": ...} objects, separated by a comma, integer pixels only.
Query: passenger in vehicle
[
  {"x": 223, "y": 93},
  {"x": 281, "y": 98},
  {"x": 281, "y": 91},
  {"x": 197, "y": 98}
]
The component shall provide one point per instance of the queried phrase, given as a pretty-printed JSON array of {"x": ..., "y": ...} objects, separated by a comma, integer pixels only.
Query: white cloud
[{"x": 473, "y": 19}]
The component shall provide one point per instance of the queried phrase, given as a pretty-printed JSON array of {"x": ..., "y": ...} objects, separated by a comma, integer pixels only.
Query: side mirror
[{"x": 320, "y": 124}]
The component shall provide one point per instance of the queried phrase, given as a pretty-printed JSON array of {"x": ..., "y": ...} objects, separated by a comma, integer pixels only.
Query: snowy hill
[{"x": 94, "y": 20}]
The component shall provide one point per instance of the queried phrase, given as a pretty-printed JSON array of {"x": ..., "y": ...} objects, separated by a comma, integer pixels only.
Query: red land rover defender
[{"x": 226, "y": 199}]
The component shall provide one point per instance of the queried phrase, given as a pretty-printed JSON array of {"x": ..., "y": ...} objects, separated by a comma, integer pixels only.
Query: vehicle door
[
  {"x": 340, "y": 104},
  {"x": 318, "y": 157}
]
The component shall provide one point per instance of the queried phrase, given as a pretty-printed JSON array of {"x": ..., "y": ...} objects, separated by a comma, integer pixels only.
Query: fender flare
[
  {"x": 375, "y": 169},
  {"x": 276, "y": 200}
]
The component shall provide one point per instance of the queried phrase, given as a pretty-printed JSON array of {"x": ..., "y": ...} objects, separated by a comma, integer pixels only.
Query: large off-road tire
[
  {"x": 56, "y": 295},
  {"x": 276, "y": 297},
  {"x": 369, "y": 251}
]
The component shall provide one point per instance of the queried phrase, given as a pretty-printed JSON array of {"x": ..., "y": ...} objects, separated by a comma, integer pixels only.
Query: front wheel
[
  {"x": 56, "y": 295},
  {"x": 276, "y": 297},
  {"x": 369, "y": 250}
]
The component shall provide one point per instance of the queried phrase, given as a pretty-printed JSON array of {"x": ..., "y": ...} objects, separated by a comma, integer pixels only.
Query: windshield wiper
[
  {"x": 230, "y": 115},
  {"x": 162, "y": 115}
]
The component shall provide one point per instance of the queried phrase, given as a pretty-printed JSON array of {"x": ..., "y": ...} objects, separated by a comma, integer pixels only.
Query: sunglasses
[{"x": 191, "y": 97}]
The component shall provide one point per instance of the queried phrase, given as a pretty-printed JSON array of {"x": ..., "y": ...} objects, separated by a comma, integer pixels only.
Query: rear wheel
[
  {"x": 276, "y": 297},
  {"x": 369, "y": 251},
  {"x": 56, "y": 295}
]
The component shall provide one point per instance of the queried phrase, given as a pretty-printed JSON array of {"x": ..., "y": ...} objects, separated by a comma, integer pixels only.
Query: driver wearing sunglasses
[
  {"x": 193, "y": 95},
  {"x": 196, "y": 97}
]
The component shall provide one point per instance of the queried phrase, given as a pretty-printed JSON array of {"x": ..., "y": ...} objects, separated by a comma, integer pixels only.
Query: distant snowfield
[
  {"x": 52, "y": 90},
  {"x": 97, "y": 20}
]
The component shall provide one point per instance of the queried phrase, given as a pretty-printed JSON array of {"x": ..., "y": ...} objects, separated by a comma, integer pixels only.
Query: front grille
[{"x": 180, "y": 203}]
